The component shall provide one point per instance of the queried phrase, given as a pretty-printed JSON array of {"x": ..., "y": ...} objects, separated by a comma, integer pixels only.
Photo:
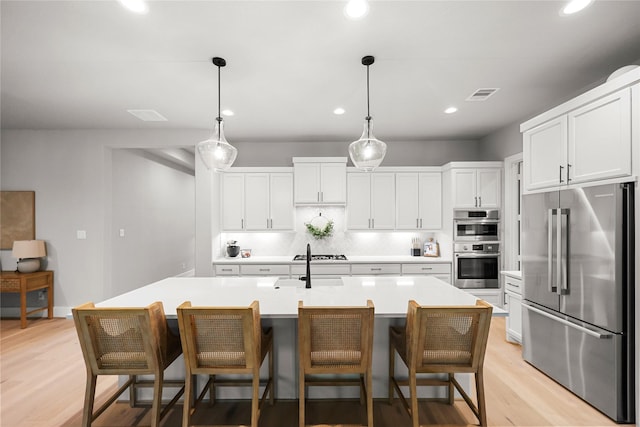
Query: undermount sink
[{"x": 297, "y": 283}]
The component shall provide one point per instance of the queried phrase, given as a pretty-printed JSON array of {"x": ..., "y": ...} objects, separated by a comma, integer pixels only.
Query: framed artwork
[
  {"x": 17, "y": 217},
  {"x": 245, "y": 253},
  {"x": 432, "y": 249}
]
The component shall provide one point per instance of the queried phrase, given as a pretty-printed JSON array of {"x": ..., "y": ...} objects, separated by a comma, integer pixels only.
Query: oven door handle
[
  {"x": 475, "y": 222},
  {"x": 472, "y": 255}
]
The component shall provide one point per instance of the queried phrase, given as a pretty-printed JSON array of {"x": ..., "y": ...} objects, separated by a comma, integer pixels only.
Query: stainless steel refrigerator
[{"x": 578, "y": 308}]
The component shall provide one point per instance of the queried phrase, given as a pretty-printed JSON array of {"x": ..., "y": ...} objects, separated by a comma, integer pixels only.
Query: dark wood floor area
[{"x": 42, "y": 378}]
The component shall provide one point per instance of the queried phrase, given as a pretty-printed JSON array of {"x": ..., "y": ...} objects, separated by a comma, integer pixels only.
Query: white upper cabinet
[
  {"x": 545, "y": 151},
  {"x": 476, "y": 187},
  {"x": 319, "y": 181},
  {"x": 371, "y": 201},
  {"x": 257, "y": 201},
  {"x": 418, "y": 201},
  {"x": 599, "y": 143},
  {"x": 587, "y": 143},
  {"x": 232, "y": 201}
]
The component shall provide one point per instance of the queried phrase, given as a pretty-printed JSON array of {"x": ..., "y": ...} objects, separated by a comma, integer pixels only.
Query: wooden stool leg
[
  {"x": 392, "y": 368},
  {"x": 301, "y": 400},
  {"x": 255, "y": 399},
  {"x": 156, "y": 406},
  {"x": 482, "y": 410},
  {"x": 369, "y": 398},
  {"x": 186, "y": 408},
  {"x": 90, "y": 393},
  {"x": 451, "y": 388},
  {"x": 414, "y": 399}
]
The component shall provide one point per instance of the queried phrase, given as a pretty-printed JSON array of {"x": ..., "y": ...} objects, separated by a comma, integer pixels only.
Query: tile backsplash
[{"x": 354, "y": 243}]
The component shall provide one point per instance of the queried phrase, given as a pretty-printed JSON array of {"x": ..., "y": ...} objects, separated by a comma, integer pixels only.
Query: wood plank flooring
[{"x": 42, "y": 380}]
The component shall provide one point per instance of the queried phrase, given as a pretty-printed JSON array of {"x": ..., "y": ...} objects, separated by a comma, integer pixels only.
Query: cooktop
[{"x": 321, "y": 257}]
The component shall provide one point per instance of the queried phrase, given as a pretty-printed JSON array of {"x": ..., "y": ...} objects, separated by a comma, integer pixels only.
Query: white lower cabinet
[
  {"x": 321, "y": 271},
  {"x": 280, "y": 270},
  {"x": 440, "y": 271},
  {"x": 492, "y": 296},
  {"x": 375, "y": 269},
  {"x": 513, "y": 304},
  {"x": 227, "y": 270}
]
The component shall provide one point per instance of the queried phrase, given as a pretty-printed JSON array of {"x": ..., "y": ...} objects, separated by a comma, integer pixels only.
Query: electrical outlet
[
  {"x": 184, "y": 265},
  {"x": 41, "y": 295}
]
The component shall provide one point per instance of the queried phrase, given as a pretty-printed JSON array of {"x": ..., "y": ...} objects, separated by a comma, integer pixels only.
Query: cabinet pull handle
[
  {"x": 479, "y": 201},
  {"x": 427, "y": 268},
  {"x": 420, "y": 222},
  {"x": 476, "y": 202},
  {"x": 373, "y": 224},
  {"x": 561, "y": 167},
  {"x": 264, "y": 269},
  {"x": 568, "y": 172},
  {"x": 376, "y": 269},
  {"x": 225, "y": 269},
  {"x": 322, "y": 196},
  {"x": 417, "y": 223},
  {"x": 242, "y": 223}
]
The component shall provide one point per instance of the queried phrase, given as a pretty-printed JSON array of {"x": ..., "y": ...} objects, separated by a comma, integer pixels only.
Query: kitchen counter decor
[{"x": 320, "y": 227}]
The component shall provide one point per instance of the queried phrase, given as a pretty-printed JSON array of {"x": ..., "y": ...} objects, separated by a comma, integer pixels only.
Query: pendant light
[
  {"x": 368, "y": 152},
  {"x": 216, "y": 152}
]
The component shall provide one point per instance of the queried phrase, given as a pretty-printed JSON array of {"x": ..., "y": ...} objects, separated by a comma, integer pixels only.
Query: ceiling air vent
[
  {"x": 482, "y": 94},
  {"x": 148, "y": 115}
]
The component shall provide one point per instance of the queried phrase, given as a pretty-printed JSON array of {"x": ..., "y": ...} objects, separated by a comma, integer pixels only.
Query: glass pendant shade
[
  {"x": 216, "y": 152},
  {"x": 367, "y": 152}
]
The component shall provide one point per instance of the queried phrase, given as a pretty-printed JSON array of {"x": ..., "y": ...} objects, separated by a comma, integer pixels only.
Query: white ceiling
[{"x": 82, "y": 64}]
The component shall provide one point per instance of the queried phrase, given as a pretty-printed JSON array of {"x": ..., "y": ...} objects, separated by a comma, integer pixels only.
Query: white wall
[
  {"x": 71, "y": 173},
  {"x": 154, "y": 205},
  {"x": 502, "y": 143}
]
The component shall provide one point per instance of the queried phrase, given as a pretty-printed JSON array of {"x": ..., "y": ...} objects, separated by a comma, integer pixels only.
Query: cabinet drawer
[
  {"x": 264, "y": 270},
  {"x": 426, "y": 269},
  {"x": 335, "y": 270},
  {"x": 375, "y": 269},
  {"x": 513, "y": 285},
  {"x": 227, "y": 270}
]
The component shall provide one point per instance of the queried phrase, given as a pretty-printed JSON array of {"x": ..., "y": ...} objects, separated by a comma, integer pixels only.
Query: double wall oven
[{"x": 476, "y": 248}]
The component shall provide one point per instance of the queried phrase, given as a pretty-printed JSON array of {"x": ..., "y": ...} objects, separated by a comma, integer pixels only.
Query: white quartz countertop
[
  {"x": 390, "y": 294},
  {"x": 512, "y": 273},
  {"x": 288, "y": 259}
]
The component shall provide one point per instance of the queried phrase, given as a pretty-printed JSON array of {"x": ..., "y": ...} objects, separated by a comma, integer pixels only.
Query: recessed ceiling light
[
  {"x": 450, "y": 110},
  {"x": 339, "y": 111},
  {"x": 227, "y": 113},
  {"x": 356, "y": 9},
  {"x": 136, "y": 6},
  {"x": 574, "y": 6}
]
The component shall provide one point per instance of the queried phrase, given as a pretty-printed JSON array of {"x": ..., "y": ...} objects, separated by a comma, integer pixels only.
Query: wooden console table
[{"x": 12, "y": 281}]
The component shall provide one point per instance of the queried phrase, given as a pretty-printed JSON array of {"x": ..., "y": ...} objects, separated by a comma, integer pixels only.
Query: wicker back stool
[
  {"x": 126, "y": 341},
  {"x": 336, "y": 340},
  {"x": 448, "y": 339},
  {"x": 225, "y": 340}
]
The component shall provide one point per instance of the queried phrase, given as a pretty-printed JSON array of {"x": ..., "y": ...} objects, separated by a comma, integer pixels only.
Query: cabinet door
[
  {"x": 600, "y": 139},
  {"x": 544, "y": 154},
  {"x": 256, "y": 192},
  {"x": 232, "y": 201},
  {"x": 430, "y": 185},
  {"x": 333, "y": 178},
  {"x": 464, "y": 188},
  {"x": 408, "y": 201},
  {"x": 383, "y": 200},
  {"x": 359, "y": 205},
  {"x": 281, "y": 201},
  {"x": 514, "y": 321},
  {"x": 488, "y": 187},
  {"x": 307, "y": 182}
]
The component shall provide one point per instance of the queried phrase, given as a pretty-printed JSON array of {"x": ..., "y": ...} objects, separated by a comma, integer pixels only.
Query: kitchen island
[{"x": 279, "y": 309}]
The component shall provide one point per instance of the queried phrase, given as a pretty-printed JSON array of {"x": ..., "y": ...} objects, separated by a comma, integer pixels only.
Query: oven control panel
[{"x": 479, "y": 248}]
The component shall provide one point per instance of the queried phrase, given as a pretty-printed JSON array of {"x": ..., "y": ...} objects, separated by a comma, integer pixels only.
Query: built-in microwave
[{"x": 479, "y": 225}]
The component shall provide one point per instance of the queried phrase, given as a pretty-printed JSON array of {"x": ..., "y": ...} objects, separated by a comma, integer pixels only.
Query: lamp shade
[
  {"x": 29, "y": 249},
  {"x": 216, "y": 152}
]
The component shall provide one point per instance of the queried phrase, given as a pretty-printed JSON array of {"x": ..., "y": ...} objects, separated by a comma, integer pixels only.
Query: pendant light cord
[
  {"x": 219, "y": 118},
  {"x": 368, "y": 118}
]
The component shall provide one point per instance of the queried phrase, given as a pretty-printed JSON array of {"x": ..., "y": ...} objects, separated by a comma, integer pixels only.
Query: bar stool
[
  {"x": 447, "y": 339},
  {"x": 225, "y": 340},
  {"x": 126, "y": 341},
  {"x": 336, "y": 340}
]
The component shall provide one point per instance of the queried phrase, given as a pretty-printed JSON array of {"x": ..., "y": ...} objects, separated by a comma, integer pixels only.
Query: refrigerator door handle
[
  {"x": 563, "y": 251},
  {"x": 566, "y": 322},
  {"x": 550, "y": 279}
]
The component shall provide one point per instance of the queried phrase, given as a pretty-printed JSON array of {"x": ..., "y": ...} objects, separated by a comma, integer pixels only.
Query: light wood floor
[{"x": 42, "y": 380}]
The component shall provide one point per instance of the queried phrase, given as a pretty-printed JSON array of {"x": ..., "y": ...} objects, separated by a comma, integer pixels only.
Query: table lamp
[{"x": 29, "y": 253}]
